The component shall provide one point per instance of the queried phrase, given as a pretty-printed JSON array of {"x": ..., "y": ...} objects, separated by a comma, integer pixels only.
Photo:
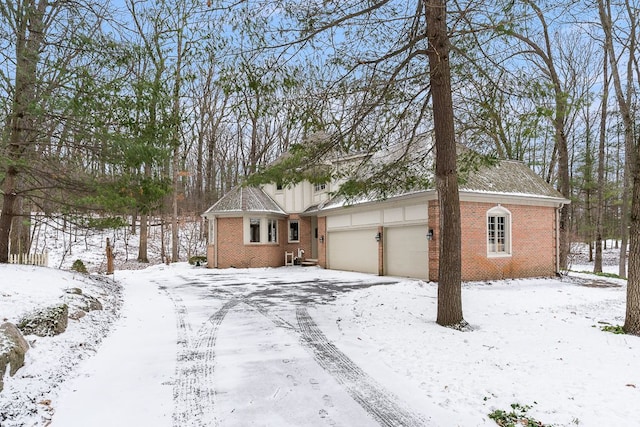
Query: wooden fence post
[{"x": 109, "y": 257}]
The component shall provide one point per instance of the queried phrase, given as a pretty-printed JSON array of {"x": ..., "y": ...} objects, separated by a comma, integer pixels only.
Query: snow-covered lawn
[
  {"x": 26, "y": 397},
  {"x": 535, "y": 342}
]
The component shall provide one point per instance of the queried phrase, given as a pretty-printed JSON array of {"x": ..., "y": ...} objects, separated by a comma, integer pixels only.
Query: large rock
[
  {"x": 45, "y": 322},
  {"x": 13, "y": 347},
  {"x": 80, "y": 304}
]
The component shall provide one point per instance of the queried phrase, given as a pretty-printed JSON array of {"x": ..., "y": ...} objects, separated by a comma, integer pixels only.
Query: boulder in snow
[
  {"x": 45, "y": 322},
  {"x": 80, "y": 303},
  {"x": 13, "y": 347}
]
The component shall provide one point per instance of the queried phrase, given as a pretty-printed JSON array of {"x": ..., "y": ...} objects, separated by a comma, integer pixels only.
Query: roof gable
[{"x": 245, "y": 199}]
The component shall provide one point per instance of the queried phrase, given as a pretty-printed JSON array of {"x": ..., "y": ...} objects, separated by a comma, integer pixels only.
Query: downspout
[
  {"x": 557, "y": 230},
  {"x": 380, "y": 239},
  {"x": 215, "y": 242}
]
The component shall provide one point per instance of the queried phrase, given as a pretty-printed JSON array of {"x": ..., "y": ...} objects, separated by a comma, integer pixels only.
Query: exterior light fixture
[
  {"x": 430, "y": 234},
  {"x": 321, "y": 239},
  {"x": 378, "y": 237}
]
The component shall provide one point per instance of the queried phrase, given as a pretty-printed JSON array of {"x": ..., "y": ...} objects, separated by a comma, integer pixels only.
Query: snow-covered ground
[{"x": 304, "y": 346}]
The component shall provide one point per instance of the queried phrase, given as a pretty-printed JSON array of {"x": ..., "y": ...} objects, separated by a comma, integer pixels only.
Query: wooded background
[{"x": 139, "y": 109}]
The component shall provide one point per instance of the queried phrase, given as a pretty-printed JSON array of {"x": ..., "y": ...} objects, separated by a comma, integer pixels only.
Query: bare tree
[
  {"x": 387, "y": 95},
  {"x": 50, "y": 46},
  {"x": 449, "y": 276},
  {"x": 600, "y": 208},
  {"x": 624, "y": 98},
  {"x": 28, "y": 21},
  {"x": 632, "y": 157}
]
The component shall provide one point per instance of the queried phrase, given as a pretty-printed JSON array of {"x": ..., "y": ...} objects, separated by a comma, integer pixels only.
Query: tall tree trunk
[
  {"x": 29, "y": 28},
  {"x": 7, "y": 214},
  {"x": 20, "y": 235},
  {"x": 624, "y": 223},
  {"x": 597, "y": 265},
  {"x": 563, "y": 167},
  {"x": 624, "y": 104},
  {"x": 144, "y": 237},
  {"x": 449, "y": 279},
  {"x": 176, "y": 148},
  {"x": 144, "y": 225},
  {"x": 632, "y": 317},
  {"x": 174, "y": 215}
]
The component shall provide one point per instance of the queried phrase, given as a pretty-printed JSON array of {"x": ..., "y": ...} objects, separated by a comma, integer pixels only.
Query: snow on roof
[
  {"x": 509, "y": 177},
  {"x": 505, "y": 177},
  {"x": 245, "y": 199}
]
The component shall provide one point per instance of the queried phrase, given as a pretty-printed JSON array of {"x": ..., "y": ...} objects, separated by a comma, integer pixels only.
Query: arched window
[{"x": 498, "y": 231}]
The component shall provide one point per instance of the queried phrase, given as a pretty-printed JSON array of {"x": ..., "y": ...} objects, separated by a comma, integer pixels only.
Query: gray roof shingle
[
  {"x": 505, "y": 177},
  {"x": 245, "y": 199},
  {"x": 509, "y": 177}
]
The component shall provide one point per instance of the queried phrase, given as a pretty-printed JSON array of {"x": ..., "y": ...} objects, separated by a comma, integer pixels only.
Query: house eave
[
  {"x": 407, "y": 198},
  {"x": 465, "y": 196},
  {"x": 241, "y": 213},
  {"x": 513, "y": 198}
]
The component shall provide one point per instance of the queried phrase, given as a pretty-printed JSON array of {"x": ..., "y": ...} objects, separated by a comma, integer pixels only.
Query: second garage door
[
  {"x": 353, "y": 250},
  {"x": 406, "y": 251}
]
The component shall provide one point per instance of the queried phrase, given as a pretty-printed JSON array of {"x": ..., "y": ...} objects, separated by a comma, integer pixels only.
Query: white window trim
[
  {"x": 264, "y": 230},
  {"x": 503, "y": 212},
  {"x": 275, "y": 221},
  {"x": 260, "y": 237},
  {"x": 297, "y": 221}
]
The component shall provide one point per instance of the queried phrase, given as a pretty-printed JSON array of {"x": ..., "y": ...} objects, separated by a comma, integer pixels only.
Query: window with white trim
[
  {"x": 498, "y": 231},
  {"x": 254, "y": 230},
  {"x": 272, "y": 230},
  {"x": 294, "y": 230},
  {"x": 319, "y": 187}
]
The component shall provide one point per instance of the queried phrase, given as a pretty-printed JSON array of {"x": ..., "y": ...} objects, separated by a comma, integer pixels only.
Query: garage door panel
[
  {"x": 406, "y": 251},
  {"x": 353, "y": 250}
]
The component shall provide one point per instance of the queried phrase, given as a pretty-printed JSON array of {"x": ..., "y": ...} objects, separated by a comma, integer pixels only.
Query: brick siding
[
  {"x": 533, "y": 243},
  {"x": 233, "y": 252}
]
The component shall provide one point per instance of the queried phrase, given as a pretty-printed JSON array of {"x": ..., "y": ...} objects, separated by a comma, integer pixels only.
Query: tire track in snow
[
  {"x": 193, "y": 392},
  {"x": 205, "y": 348},
  {"x": 379, "y": 403}
]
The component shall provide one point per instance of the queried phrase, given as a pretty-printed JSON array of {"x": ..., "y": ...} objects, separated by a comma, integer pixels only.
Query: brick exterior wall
[
  {"x": 533, "y": 242},
  {"x": 304, "y": 233},
  {"x": 233, "y": 252}
]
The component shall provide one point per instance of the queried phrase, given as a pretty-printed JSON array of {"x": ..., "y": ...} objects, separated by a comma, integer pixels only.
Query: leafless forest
[{"x": 133, "y": 109}]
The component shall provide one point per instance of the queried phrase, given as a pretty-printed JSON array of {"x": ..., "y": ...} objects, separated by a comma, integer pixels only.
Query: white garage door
[
  {"x": 406, "y": 251},
  {"x": 353, "y": 250}
]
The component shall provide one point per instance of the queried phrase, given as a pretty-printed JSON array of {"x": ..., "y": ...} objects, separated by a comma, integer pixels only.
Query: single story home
[{"x": 510, "y": 228}]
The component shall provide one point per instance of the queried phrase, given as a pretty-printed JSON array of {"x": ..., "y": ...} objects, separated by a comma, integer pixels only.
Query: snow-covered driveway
[{"x": 201, "y": 347}]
